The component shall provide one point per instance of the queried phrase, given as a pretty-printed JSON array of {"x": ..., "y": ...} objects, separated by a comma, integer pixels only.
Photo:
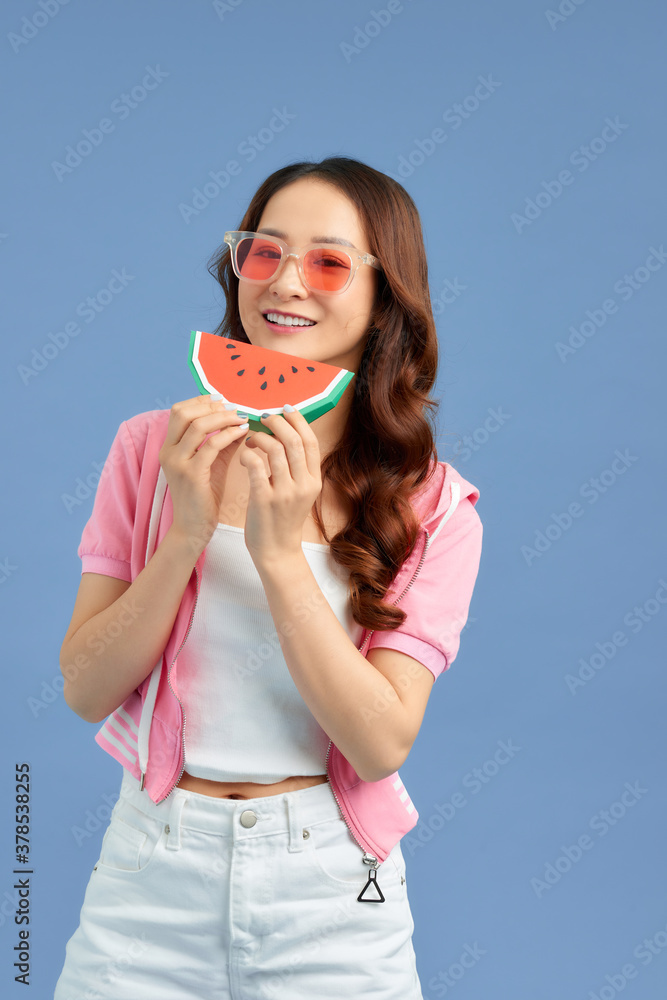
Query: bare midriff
[{"x": 248, "y": 789}]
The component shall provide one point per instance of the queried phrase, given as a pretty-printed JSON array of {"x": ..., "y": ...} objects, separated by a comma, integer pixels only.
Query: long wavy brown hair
[{"x": 387, "y": 450}]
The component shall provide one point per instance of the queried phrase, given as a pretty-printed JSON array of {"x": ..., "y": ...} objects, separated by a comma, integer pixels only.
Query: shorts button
[{"x": 248, "y": 818}]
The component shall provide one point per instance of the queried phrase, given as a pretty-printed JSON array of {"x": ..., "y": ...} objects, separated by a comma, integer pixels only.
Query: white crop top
[{"x": 245, "y": 719}]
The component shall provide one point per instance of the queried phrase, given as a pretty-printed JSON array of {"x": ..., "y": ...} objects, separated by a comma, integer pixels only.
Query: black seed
[
  {"x": 282, "y": 378},
  {"x": 235, "y": 356},
  {"x": 264, "y": 385},
  {"x": 309, "y": 368},
  {"x": 295, "y": 370},
  {"x": 261, "y": 370},
  {"x": 242, "y": 372}
]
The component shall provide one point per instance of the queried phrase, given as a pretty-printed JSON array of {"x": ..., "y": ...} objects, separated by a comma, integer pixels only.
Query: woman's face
[{"x": 302, "y": 213}]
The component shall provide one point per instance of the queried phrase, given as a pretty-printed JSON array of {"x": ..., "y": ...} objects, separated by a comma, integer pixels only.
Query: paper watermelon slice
[{"x": 259, "y": 380}]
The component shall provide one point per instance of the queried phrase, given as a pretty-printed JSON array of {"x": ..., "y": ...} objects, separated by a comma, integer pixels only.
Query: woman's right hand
[{"x": 195, "y": 470}]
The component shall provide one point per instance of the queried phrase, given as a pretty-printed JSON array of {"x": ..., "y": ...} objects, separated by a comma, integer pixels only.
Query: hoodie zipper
[
  {"x": 412, "y": 580},
  {"x": 192, "y": 618},
  {"x": 367, "y": 858}
]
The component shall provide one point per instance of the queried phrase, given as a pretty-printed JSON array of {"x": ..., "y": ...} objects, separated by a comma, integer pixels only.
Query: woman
[{"x": 321, "y": 575}]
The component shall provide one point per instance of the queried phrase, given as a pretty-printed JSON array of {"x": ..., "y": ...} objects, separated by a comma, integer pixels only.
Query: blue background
[{"x": 551, "y": 586}]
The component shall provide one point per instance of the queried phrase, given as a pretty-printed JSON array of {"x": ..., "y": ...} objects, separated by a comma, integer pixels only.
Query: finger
[
  {"x": 283, "y": 449},
  {"x": 189, "y": 427},
  {"x": 215, "y": 443},
  {"x": 185, "y": 411},
  {"x": 216, "y": 427},
  {"x": 311, "y": 447},
  {"x": 263, "y": 451},
  {"x": 257, "y": 467}
]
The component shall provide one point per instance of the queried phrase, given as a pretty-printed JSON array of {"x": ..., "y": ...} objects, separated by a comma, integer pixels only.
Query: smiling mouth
[{"x": 292, "y": 322}]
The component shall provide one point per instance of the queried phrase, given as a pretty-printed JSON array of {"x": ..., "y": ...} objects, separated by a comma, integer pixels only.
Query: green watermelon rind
[
  {"x": 194, "y": 340},
  {"x": 311, "y": 409}
]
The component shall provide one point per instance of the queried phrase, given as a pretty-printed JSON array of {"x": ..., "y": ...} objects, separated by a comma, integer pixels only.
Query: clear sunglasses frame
[{"x": 356, "y": 257}]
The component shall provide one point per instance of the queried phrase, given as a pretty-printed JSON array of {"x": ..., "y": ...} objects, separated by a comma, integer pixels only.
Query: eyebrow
[{"x": 267, "y": 231}]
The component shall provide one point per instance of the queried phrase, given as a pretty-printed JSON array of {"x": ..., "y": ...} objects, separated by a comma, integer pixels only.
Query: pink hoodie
[{"x": 131, "y": 515}]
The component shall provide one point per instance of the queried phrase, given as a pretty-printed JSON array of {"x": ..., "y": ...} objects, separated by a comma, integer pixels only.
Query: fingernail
[
  {"x": 217, "y": 396},
  {"x": 229, "y": 406},
  {"x": 265, "y": 415},
  {"x": 290, "y": 409}
]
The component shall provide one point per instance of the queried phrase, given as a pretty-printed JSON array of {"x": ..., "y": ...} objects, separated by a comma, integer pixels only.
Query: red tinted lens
[
  {"x": 257, "y": 259},
  {"x": 327, "y": 270}
]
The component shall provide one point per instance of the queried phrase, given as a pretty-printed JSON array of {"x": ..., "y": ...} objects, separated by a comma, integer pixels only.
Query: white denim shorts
[{"x": 203, "y": 898}]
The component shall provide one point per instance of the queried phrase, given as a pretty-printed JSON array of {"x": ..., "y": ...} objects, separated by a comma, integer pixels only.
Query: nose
[{"x": 288, "y": 280}]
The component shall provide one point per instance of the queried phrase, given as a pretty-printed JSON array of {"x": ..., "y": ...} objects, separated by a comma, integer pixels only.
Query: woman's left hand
[{"x": 281, "y": 499}]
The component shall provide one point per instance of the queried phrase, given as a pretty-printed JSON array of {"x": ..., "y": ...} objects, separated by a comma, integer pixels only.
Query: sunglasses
[{"x": 322, "y": 267}]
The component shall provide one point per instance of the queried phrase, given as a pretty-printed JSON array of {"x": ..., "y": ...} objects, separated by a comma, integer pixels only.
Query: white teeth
[{"x": 288, "y": 320}]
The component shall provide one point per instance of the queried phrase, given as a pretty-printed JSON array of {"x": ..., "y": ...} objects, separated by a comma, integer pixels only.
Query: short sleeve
[
  {"x": 106, "y": 541},
  {"x": 438, "y": 601}
]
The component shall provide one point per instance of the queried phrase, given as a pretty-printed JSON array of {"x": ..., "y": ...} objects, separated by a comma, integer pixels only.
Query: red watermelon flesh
[{"x": 259, "y": 380}]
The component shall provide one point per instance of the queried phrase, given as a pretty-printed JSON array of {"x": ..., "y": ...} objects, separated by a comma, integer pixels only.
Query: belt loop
[
  {"x": 173, "y": 826},
  {"x": 296, "y": 838}
]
